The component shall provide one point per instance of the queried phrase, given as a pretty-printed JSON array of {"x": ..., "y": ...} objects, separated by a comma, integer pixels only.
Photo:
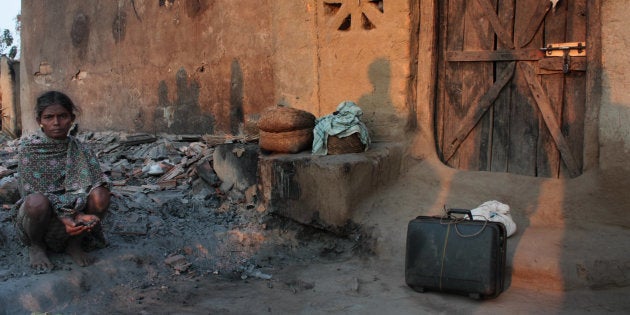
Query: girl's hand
[
  {"x": 88, "y": 220},
  {"x": 80, "y": 224}
]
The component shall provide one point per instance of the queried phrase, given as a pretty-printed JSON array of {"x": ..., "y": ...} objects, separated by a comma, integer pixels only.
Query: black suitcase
[{"x": 450, "y": 254}]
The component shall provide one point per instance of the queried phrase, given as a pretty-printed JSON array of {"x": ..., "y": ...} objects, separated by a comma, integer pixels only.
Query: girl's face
[{"x": 56, "y": 121}]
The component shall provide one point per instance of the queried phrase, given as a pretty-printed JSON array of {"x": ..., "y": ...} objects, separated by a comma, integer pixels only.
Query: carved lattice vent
[{"x": 345, "y": 15}]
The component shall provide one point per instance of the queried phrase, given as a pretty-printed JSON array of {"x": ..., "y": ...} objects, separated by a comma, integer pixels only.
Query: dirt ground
[{"x": 199, "y": 248}]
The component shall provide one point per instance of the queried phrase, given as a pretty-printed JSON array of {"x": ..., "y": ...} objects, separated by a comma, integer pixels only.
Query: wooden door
[{"x": 502, "y": 103}]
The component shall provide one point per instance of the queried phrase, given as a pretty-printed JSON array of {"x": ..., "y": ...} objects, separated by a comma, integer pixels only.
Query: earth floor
[{"x": 178, "y": 252}]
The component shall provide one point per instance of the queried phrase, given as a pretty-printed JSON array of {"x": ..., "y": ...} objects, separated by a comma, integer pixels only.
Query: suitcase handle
[{"x": 460, "y": 211}]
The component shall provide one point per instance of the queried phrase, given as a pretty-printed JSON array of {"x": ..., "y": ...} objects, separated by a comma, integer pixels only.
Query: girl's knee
[
  {"x": 36, "y": 205},
  {"x": 98, "y": 201}
]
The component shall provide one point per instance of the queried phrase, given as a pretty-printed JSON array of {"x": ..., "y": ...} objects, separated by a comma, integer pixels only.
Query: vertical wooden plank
[
  {"x": 452, "y": 106},
  {"x": 572, "y": 124},
  {"x": 523, "y": 132},
  {"x": 524, "y": 121},
  {"x": 548, "y": 157},
  {"x": 427, "y": 60},
  {"x": 593, "y": 85},
  {"x": 441, "y": 81},
  {"x": 477, "y": 78},
  {"x": 500, "y": 112},
  {"x": 526, "y": 34},
  {"x": 504, "y": 35}
]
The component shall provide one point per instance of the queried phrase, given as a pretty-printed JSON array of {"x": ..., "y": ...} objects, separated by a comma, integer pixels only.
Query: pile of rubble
[
  {"x": 170, "y": 206},
  {"x": 138, "y": 163},
  {"x": 157, "y": 165},
  {"x": 166, "y": 194}
]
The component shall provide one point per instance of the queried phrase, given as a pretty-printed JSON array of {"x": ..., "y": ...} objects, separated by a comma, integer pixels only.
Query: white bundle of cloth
[
  {"x": 344, "y": 122},
  {"x": 497, "y": 212}
]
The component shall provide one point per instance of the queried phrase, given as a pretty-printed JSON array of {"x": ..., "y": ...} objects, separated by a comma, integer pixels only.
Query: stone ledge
[{"x": 323, "y": 191}]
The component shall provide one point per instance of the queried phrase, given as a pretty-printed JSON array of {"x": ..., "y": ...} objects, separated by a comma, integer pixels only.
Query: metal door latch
[{"x": 566, "y": 51}]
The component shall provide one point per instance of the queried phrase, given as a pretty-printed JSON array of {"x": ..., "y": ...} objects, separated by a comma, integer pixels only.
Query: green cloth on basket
[
  {"x": 342, "y": 123},
  {"x": 65, "y": 171}
]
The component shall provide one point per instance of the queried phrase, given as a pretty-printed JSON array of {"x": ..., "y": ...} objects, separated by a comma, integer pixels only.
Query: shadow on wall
[
  {"x": 236, "y": 98},
  {"x": 182, "y": 115},
  {"x": 80, "y": 34},
  {"x": 379, "y": 114}
]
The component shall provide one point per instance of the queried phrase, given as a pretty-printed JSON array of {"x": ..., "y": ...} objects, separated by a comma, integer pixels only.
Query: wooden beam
[
  {"x": 476, "y": 110},
  {"x": 495, "y": 55},
  {"x": 544, "y": 105},
  {"x": 554, "y": 65}
]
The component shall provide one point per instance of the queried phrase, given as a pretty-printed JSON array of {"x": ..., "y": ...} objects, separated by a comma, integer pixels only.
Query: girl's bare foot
[
  {"x": 80, "y": 257},
  {"x": 39, "y": 259}
]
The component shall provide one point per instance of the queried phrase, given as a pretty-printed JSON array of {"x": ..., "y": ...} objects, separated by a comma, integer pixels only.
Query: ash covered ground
[{"x": 180, "y": 225}]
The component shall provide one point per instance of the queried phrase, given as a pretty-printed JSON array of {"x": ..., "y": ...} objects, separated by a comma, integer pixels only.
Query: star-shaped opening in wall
[{"x": 354, "y": 14}]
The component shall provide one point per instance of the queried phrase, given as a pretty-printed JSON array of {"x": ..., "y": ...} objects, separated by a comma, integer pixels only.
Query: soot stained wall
[{"x": 175, "y": 66}]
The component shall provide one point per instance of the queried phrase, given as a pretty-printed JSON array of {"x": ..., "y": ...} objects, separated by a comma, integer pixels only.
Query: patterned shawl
[{"x": 65, "y": 171}]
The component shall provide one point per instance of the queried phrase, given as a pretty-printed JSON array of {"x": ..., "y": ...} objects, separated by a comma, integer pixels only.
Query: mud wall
[
  {"x": 209, "y": 66},
  {"x": 614, "y": 136},
  {"x": 176, "y": 66},
  {"x": 364, "y": 51},
  {"x": 9, "y": 96}
]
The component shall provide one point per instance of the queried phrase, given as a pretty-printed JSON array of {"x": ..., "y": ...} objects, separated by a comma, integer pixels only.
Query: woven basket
[
  {"x": 281, "y": 119},
  {"x": 286, "y": 142},
  {"x": 349, "y": 144}
]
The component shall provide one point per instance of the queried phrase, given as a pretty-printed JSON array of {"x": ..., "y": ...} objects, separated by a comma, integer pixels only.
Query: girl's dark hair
[{"x": 54, "y": 97}]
